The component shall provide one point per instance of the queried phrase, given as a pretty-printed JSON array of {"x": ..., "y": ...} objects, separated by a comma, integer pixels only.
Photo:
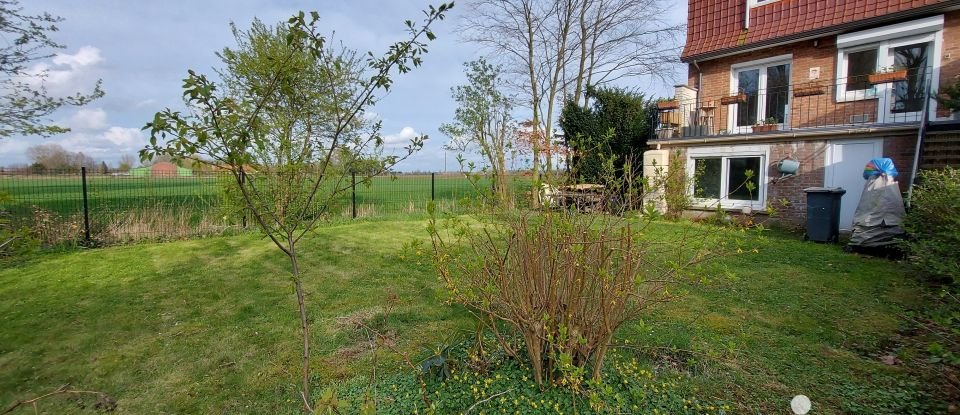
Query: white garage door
[{"x": 844, "y": 168}]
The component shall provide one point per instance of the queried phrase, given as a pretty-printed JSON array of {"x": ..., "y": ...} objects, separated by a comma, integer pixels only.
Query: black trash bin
[{"x": 823, "y": 213}]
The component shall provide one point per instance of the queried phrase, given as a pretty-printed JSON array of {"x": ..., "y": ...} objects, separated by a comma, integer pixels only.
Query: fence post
[
  {"x": 243, "y": 217},
  {"x": 86, "y": 206},
  {"x": 353, "y": 189},
  {"x": 433, "y": 186}
]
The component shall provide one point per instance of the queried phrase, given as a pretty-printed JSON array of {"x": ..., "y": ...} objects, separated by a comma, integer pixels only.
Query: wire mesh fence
[{"x": 106, "y": 208}]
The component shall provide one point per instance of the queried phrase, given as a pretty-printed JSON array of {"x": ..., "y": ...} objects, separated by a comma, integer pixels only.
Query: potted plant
[
  {"x": 769, "y": 124},
  {"x": 888, "y": 74},
  {"x": 949, "y": 99}
]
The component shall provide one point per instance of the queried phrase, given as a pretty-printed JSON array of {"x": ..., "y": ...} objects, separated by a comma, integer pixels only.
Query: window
[
  {"x": 708, "y": 177},
  {"x": 859, "y": 65},
  {"x": 732, "y": 177},
  {"x": 914, "y": 45},
  {"x": 766, "y": 85},
  {"x": 742, "y": 178},
  {"x": 908, "y": 95}
]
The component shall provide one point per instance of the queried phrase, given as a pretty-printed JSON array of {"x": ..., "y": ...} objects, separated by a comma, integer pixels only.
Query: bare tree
[
  {"x": 624, "y": 38},
  {"x": 53, "y": 156},
  {"x": 553, "y": 48}
]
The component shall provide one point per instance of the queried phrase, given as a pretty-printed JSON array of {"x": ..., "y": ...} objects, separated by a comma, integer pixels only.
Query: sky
[{"x": 143, "y": 49}]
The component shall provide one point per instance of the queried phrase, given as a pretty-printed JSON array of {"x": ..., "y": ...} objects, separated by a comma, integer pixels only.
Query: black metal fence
[
  {"x": 82, "y": 206},
  {"x": 886, "y": 99}
]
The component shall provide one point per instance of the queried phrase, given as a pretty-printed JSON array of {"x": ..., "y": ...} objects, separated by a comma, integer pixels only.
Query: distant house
[
  {"x": 828, "y": 84},
  {"x": 161, "y": 169}
]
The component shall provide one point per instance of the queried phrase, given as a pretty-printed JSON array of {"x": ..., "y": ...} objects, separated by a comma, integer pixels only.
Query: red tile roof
[{"x": 715, "y": 26}]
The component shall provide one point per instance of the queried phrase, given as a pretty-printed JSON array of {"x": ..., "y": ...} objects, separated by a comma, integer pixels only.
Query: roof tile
[{"x": 715, "y": 25}]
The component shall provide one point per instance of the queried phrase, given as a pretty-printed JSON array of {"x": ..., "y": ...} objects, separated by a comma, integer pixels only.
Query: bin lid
[{"x": 836, "y": 190}]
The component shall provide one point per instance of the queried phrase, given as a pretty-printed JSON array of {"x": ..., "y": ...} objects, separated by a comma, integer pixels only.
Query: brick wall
[
  {"x": 816, "y": 110},
  {"x": 786, "y": 196},
  {"x": 900, "y": 149}
]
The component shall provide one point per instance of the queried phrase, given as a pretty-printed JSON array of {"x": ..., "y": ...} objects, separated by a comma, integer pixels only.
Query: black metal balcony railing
[{"x": 888, "y": 99}]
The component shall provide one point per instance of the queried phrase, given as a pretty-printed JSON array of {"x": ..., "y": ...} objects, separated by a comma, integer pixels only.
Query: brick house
[{"x": 829, "y": 84}]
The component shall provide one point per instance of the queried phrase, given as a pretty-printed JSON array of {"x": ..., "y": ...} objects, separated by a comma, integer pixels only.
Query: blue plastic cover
[{"x": 879, "y": 166}]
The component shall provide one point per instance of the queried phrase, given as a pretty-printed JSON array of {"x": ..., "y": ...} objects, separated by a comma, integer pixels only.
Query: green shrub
[{"x": 934, "y": 225}]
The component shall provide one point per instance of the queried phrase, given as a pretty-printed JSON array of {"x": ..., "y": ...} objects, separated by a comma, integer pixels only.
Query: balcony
[{"x": 878, "y": 101}]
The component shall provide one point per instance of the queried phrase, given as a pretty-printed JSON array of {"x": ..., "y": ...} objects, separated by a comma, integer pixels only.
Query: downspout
[
  {"x": 921, "y": 133},
  {"x": 699, "y": 87}
]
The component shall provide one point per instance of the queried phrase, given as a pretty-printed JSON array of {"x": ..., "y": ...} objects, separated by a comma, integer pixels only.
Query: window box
[
  {"x": 765, "y": 128},
  {"x": 887, "y": 77},
  {"x": 734, "y": 99},
  {"x": 668, "y": 105},
  {"x": 808, "y": 90}
]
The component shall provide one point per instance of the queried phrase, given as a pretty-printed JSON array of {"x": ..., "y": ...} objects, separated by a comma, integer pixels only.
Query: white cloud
[
  {"x": 370, "y": 116},
  {"x": 87, "y": 119},
  {"x": 130, "y": 138},
  {"x": 107, "y": 144},
  {"x": 403, "y": 137},
  {"x": 85, "y": 56},
  {"x": 68, "y": 73}
]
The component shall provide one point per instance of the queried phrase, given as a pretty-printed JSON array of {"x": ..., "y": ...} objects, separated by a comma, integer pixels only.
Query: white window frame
[
  {"x": 762, "y": 65},
  {"x": 884, "y": 39},
  {"x": 724, "y": 153}
]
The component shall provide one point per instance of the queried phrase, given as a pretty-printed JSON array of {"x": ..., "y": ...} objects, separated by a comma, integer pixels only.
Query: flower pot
[
  {"x": 765, "y": 128},
  {"x": 734, "y": 99},
  {"x": 887, "y": 77},
  {"x": 668, "y": 105}
]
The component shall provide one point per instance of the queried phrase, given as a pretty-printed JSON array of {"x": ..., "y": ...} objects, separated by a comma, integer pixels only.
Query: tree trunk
[
  {"x": 534, "y": 104},
  {"x": 304, "y": 323}
]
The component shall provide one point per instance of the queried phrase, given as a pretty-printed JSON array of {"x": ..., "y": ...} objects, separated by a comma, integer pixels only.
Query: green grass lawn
[{"x": 210, "y": 325}]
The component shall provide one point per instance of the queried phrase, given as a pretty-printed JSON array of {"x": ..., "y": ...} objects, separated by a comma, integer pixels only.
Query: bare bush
[{"x": 565, "y": 282}]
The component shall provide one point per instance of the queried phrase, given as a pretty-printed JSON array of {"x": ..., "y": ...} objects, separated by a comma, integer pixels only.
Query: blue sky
[{"x": 142, "y": 50}]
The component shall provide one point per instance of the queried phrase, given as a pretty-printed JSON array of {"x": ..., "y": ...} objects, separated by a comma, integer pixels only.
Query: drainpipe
[
  {"x": 699, "y": 87},
  {"x": 921, "y": 133}
]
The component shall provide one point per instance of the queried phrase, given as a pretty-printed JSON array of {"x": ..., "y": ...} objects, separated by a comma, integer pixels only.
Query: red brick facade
[
  {"x": 817, "y": 53},
  {"x": 786, "y": 196},
  {"x": 717, "y": 26}
]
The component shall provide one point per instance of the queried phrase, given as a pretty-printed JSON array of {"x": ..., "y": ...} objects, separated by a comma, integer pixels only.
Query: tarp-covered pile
[{"x": 879, "y": 216}]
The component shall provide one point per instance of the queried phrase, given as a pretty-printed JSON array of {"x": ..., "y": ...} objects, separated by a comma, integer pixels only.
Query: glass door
[
  {"x": 767, "y": 93},
  {"x": 905, "y": 98}
]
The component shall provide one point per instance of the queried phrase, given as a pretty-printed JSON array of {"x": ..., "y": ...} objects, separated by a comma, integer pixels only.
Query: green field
[
  {"x": 124, "y": 207},
  {"x": 210, "y": 325}
]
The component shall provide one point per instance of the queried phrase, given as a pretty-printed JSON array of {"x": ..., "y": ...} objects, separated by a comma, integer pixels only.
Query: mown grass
[{"x": 210, "y": 326}]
